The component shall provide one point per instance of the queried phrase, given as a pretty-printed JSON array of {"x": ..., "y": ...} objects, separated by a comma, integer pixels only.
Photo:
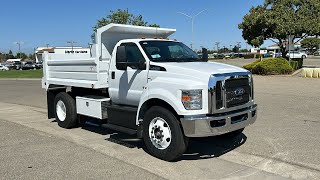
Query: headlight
[{"x": 192, "y": 99}]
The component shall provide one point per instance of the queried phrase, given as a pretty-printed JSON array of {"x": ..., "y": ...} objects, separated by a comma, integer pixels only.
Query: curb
[{"x": 20, "y": 79}]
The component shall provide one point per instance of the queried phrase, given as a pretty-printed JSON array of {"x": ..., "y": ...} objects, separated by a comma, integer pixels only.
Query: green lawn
[{"x": 21, "y": 74}]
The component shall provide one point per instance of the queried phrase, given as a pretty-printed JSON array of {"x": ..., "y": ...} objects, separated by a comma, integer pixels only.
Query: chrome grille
[
  {"x": 228, "y": 92},
  {"x": 237, "y": 92}
]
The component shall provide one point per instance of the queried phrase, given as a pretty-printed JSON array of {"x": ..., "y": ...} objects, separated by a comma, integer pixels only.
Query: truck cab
[{"x": 139, "y": 82}]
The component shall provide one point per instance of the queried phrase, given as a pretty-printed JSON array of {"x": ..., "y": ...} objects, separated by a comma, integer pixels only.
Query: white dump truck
[{"x": 137, "y": 81}]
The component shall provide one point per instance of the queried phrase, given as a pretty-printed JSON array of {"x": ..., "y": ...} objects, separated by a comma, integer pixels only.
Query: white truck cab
[{"x": 137, "y": 81}]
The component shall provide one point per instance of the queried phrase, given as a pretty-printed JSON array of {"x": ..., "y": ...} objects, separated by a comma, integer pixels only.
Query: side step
[{"x": 120, "y": 129}]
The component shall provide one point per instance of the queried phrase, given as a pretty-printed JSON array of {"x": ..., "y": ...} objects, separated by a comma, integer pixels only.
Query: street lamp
[
  {"x": 239, "y": 45},
  {"x": 217, "y": 44},
  {"x": 192, "y": 23},
  {"x": 19, "y": 46},
  {"x": 72, "y": 43}
]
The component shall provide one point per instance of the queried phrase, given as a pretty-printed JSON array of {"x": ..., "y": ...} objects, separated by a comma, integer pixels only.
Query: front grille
[
  {"x": 219, "y": 100},
  {"x": 237, "y": 92},
  {"x": 232, "y": 92}
]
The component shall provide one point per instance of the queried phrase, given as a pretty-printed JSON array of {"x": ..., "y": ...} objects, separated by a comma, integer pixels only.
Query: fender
[{"x": 170, "y": 93}]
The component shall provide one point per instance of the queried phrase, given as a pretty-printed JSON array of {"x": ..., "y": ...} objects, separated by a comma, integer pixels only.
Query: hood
[{"x": 200, "y": 68}]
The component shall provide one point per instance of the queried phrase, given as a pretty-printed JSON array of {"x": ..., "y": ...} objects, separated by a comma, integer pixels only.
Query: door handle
[{"x": 113, "y": 75}]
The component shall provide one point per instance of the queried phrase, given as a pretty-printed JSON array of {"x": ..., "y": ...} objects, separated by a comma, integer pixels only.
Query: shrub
[
  {"x": 294, "y": 65},
  {"x": 270, "y": 66},
  {"x": 248, "y": 56}
]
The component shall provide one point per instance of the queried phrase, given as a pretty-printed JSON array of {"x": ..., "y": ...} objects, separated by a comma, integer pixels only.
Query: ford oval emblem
[{"x": 239, "y": 91}]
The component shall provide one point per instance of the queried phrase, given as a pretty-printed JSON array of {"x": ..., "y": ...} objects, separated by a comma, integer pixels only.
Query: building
[
  {"x": 276, "y": 49},
  {"x": 60, "y": 50},
  {"x": 14, "y": 60}
]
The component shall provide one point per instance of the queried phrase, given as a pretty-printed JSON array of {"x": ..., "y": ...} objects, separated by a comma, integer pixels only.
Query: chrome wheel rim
[
  {"x": 160, "y": 133},
  {"x": 61, "y": 110}
]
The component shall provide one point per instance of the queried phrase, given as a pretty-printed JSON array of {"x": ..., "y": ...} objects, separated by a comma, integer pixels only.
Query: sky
[{"x": 41, "y": 22}]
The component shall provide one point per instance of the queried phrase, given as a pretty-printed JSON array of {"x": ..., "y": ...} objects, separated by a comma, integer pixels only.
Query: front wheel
[
  {"x": 162, "y": 134},
  {"x": 303, "y": 57}
]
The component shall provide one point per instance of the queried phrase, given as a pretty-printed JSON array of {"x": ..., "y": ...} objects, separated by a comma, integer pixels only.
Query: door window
[{"x": 134, "y": 55}]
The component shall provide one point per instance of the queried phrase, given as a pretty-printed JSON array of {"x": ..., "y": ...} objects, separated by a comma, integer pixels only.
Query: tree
[
  {"x": 122, "y": 17},
  {"x": 235, "y": 49},
  {"x": 310, "y": 43},
  {"x": 9, "y": 55},
  {"x": 32, "y": 56},
  {"x": 21, "y": 56},
  {"x": 276, "y": 19}
]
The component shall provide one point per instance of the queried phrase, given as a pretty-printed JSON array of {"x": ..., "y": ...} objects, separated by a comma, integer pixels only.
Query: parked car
[
  {"x": 17, "y": 65},
  {"x": 28, "y": 65},
  {"x": 296, "y": 55},
  {"x": 39, "y": 65},
  {"x": 317, "y": 53},
  {"x": 3, "y": 68}
]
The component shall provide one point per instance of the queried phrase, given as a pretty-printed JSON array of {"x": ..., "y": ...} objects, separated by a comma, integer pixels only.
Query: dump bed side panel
[{"x": 78, "y": 70}]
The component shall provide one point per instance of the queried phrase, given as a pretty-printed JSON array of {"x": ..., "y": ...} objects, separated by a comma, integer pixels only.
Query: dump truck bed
[{"x": 91, "y": 70}]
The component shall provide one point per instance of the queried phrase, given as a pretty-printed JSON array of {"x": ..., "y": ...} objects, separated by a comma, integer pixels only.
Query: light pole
[
  {"x": 19, "y": 46},
  {"x": 217, "y": 44},
  {"x": 238, "y": 43},
  {"x": 192, "y": 23},
  {"x": 72, "y": 43}
]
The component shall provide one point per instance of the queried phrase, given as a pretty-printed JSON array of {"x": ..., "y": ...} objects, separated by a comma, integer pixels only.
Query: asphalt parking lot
[{"x": 283, "y": 143}]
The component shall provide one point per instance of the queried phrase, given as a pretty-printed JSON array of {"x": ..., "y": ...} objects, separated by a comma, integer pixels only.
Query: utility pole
[
  {"x": 19, "y": 46},
  {"x": 217, "y": 44},
  {"x": 192, "y": 23},
  {"x": 239, "y": 45},
  {"x": 72, "y": 43}
]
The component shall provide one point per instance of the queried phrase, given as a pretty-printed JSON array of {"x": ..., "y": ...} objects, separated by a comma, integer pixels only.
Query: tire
[
  {"x": 65, "y": 110},
  {"x": 303, "y": 57},
  {"x": 171, "y": 147},
  {"x": 234, "y": 134}
]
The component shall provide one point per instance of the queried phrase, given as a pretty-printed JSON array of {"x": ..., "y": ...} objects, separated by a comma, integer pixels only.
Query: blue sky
[{"x": 39, "y": 22}]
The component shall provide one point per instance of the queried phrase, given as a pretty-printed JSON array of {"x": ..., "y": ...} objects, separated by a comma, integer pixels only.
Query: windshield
[{"x": 169, "y": 51}]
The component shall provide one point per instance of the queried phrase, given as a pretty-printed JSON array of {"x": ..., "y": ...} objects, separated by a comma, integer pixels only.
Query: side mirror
[
  {"x": 204, "y": 55},
  {"x": 142, "y": 65},
  {"x": 121, "y": 58}
]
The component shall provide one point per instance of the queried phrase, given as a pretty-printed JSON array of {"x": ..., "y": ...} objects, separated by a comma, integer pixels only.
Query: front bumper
[{"x": 204, "y": 126}]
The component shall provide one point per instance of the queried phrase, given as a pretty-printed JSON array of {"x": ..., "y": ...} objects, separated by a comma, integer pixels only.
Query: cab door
[{"x": 126, "y": 86}]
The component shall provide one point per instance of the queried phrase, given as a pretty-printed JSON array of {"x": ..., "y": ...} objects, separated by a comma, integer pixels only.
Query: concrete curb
[{"x": 20, "y": 79}]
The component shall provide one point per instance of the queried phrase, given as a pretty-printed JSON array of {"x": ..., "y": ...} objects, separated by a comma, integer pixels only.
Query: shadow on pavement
[
  {"x": 199, "y": 148},
  {"x": 212, "y": 147},
  {"x": 123, "y": 139}
]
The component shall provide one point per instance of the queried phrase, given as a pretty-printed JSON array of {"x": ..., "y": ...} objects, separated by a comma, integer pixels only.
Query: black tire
[
  {"x": 70, "y": 120},
  {"x": 178, "y": 143},
  {"x": 303, "y": 57},
  {"x": 234, "y": 134}
]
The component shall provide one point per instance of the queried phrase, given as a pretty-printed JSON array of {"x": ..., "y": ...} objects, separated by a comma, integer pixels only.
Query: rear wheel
[
  {"x": 65, "y": 110},
  {"x": 162, "y": 134}
]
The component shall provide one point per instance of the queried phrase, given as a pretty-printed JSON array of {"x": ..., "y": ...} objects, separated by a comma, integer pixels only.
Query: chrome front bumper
[{"x": 204, "y": 126}]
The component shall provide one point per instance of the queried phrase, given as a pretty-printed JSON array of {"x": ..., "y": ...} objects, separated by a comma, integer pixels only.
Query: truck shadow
[
  {"x": 123, "y": 139},
  {"x": 199, "y": 148},
  {"x": 212, "y": 147}
]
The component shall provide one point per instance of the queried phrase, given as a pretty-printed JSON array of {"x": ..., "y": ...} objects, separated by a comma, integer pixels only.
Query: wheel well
[
  {"x": 51, "y": 94},
  {"x": 156, "y": 102}
]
